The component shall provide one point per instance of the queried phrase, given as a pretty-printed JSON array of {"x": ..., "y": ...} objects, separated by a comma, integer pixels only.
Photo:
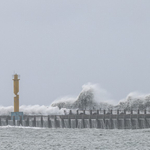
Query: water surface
[{"x": 21, "y": 138}]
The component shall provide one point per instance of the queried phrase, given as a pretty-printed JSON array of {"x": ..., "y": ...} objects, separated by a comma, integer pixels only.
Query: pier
[{"x": 118, "y": 119}]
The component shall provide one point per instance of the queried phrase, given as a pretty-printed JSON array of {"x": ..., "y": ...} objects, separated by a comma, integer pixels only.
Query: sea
[{"x": 30, "y": 138}]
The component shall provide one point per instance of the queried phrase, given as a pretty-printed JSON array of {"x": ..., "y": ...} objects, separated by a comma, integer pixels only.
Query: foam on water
[
  {"x": 34, "y": 110},
  {"x": 17, "y": 138},
  {"x": 21, "y": 127}
]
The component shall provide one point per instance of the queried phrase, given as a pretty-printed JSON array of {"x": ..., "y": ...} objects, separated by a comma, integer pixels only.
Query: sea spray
[
  {"x": 33, "y": 110},
  {"x": 92, "y": 97}
]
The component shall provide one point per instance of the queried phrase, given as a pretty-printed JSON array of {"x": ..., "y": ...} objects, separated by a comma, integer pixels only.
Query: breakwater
[{"x": 119, "y": 119}]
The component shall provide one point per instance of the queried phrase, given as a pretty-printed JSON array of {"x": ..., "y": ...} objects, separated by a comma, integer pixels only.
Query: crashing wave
[
  {"x": 92, "y": 97},
  {"x": 87, "y": 100},
  {"x": 33, "y": 110},
  {"x": 135, "y": 101}
]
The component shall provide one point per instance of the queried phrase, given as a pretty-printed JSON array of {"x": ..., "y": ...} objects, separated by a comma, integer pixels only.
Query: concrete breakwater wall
[{"x": 84, "y": 119}]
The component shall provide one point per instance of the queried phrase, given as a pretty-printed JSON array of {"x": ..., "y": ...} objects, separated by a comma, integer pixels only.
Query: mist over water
[{"x": 92, "y": 97}]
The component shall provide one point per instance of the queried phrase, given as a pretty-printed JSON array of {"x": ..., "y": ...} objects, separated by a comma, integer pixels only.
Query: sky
[{"x": 58, "y": 46}]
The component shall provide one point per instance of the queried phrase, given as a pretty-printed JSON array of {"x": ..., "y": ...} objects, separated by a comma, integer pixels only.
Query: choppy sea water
[{"x": 20, "y": 138}]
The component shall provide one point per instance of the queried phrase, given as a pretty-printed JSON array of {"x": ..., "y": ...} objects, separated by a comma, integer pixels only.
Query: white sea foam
[
  {"x": 73, "y": 139},
  {"x": 21, "y": 127},
  {"x": 34, "y": 109}
]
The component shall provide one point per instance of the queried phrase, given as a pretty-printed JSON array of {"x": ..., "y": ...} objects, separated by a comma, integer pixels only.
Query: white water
[
  {"x": 91, "y": 97},
  {"x": 35, "y": 109},
  {"x": 20, "y": 138}
]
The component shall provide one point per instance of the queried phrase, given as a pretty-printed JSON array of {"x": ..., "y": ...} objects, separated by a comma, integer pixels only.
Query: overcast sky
[{"x": 56, "y": 46}]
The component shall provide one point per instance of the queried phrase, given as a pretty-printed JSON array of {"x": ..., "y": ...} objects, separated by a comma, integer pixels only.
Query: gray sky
[{"x": 57, "y": 46}]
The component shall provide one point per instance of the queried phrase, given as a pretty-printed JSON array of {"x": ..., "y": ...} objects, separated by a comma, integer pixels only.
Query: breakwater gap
[{"x": 104, "y": 119}]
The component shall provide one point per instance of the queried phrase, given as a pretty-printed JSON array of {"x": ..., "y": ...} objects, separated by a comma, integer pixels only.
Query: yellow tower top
[{"x": 16, "y": 84}]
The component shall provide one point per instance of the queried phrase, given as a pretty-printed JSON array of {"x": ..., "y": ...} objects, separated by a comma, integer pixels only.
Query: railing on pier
[
  {"x": 104, "y": 119},
  {"x": 104, "y": 112}
]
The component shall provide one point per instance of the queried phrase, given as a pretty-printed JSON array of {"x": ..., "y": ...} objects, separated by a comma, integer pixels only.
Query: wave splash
[
  {"x": 33, "y": 110},
  {"x": 92, "y": 97}
]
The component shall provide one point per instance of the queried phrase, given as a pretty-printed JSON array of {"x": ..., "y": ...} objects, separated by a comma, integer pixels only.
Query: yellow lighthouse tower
[
  {"x": 16, "y": 90},
  {"x": 16, "y": 114}
]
